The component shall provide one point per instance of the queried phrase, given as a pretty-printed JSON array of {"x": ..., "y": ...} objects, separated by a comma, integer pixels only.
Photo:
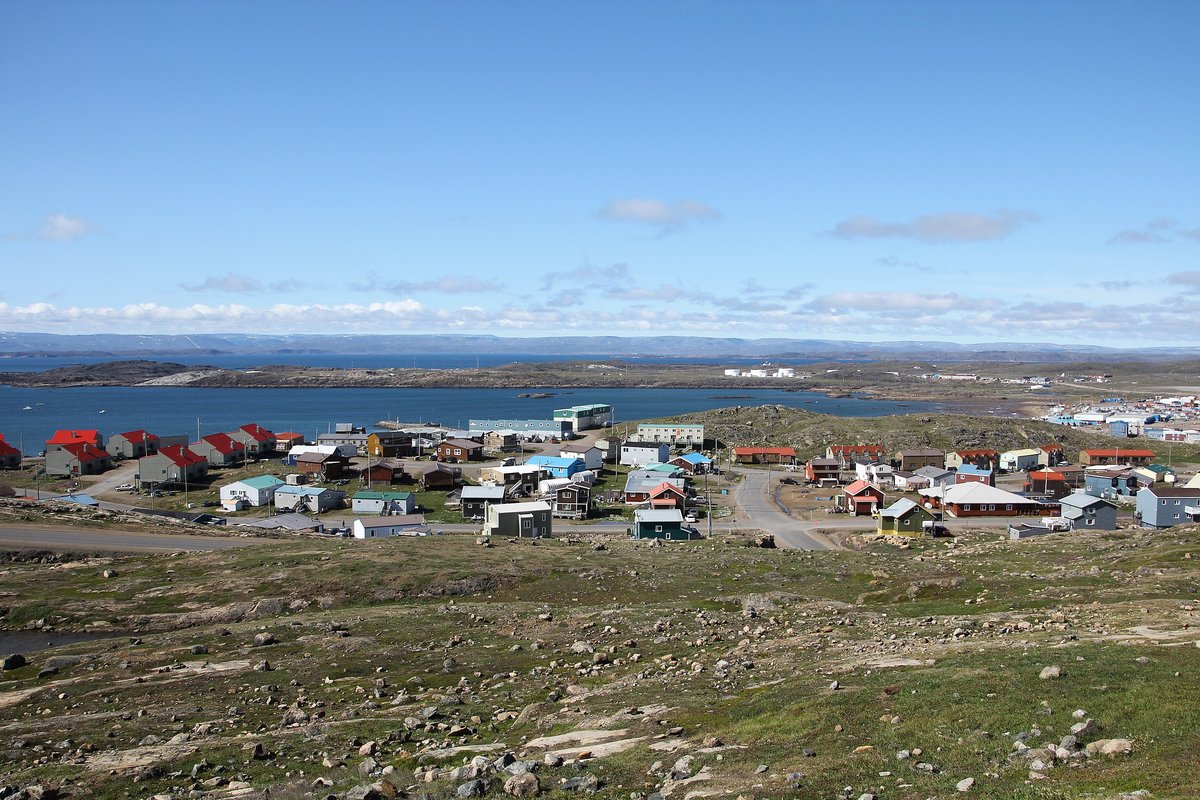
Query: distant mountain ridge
[{"x": 15, "y": 344}]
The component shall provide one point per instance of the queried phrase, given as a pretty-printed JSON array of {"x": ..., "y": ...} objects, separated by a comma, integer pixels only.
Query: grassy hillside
[{"x": 705, "y": 666}]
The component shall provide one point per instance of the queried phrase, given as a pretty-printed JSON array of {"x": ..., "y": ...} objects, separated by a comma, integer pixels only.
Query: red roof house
[
  {"x": 764, "y": 455},
  {"x": 861, "y": 498},
  {"x": 65, "y": 436},
  {"x": 846, "y": 454},
  {"x": 219, "y": 449}
]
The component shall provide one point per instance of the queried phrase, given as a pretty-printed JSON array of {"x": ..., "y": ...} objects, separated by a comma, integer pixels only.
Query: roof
[
  {"x": 180, "y": 455},
  {"x": 1118, "y": 452},
  {"x": 319, "y": 458},
  {"x": 766, "y": 451},
  {"x": 858, "y": 487},
  {"x": 291, "y": 522},
  {"x": 397, "y": 521},
  {"x": 824, "y": 462},
  {"x": 553, "y": 461},
  {"x": 369, "y": 495},
  {"x": 84, "y": 451},
  {"x": 482, "y": 493},
  {"x": 578, "y": 447},
  {"x": 658, "y": 515},
  {"x": 1050, "y": 447},
  {"x": 973, "y": 493},
  {"x": 67, "y": 436},
  {"x": 260, "y": 482},
  {"x": 1167, "y": 490},
  {"x": 303, "y": 490},
  {"x": 80, "y": 498},
  {"x": 690, "y": 426},
  {"x": 669, "y": 469},
  {"x": 933, "y": 473},
  {"x": 138, "y": 436},
  {"x": 287, "y": 435},
  {"x": 521, "y": 508},
  {"x": 462, "y": 444},
  {"x": 693, "y": 458},
  {"x": 646, "y": 445},
  {"x": 1025, "y": 451},
  {"x": 257, "y": 432},
  {"x": 900, "y": 508},
  {"x": 222, "y": 443},
  {"x": 666, "y": 486},
  {"x": 856, "y": 448},
  {"x": 1083, "y": 500},
  {"x": 7, "y": 449},
  {"x": 971, "y": 469}
]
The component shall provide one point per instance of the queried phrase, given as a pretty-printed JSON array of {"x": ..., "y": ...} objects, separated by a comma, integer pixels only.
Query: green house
[
  {"x": 661, "y": 524},
  {"x": 904, "y": 518}
]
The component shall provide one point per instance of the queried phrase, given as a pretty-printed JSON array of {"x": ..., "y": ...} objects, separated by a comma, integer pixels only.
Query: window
[
  {"x": 1008, "y": 507},
  {"x": 1091, "y": 521},
  {"x": 967, "y": 507},
  {"x": 658, "y": 528},
  {"x": 526, "y": 523}
]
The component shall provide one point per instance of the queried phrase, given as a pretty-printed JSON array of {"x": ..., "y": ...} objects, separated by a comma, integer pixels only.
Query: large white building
[
  {"x": 678, "y": 434},
  {"x": 586, "y": 417}
]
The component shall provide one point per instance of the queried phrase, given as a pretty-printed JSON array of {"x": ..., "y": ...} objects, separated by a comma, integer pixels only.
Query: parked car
[
  {"x": 125, "y": 487},
  {"x": 690, "y": 517}
]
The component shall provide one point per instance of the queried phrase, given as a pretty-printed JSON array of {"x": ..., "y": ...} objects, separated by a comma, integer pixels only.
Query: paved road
[
  {"x": 759, "y": 510},
  {"x": 59, "y": 538}
]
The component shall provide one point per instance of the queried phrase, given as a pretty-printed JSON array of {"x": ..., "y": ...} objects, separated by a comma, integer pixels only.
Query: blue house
[
  {"x": 1110, "y": 483},
  {"x": 693, "y": 462},
  {"x": 1163, "y": 505},
  {"x": 969, "y": 473},
  {"x": 557, "y": 466}
]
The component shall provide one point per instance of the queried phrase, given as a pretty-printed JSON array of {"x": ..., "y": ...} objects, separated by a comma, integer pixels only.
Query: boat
[
  {"x": 102, "y": 411},
  {"x": 27, "y": 408}
]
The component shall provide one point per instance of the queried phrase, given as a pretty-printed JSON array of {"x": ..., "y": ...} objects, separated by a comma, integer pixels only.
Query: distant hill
[{"x": 127, "y": 345}]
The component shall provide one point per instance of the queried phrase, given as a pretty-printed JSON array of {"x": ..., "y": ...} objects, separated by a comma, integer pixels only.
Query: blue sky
[{"x": 861, "y": 170}]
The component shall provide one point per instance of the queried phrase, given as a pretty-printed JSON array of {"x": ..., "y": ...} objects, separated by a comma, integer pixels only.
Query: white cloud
[
  {"x": 1131, "y": 236},
  {"x": 1156, "y": 231},
  {"x": 952, "y": 226},
  {"x": 1189, "y": 280},
  {"x": 894, "y": 301},
  {"x": 667, "y": 217},
  {"x": 63, "y": 228},
  {"x": 443, "y": 284},
  {"x": 588, "y": 275},
  {"x": 229, "y": 283}
]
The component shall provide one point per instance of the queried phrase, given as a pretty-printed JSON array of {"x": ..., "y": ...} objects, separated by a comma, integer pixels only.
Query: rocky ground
[{"x": 1060, "y": 667}]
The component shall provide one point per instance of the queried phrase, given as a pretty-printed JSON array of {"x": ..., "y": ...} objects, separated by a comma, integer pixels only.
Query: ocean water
[{"x": 30, "y": 416}]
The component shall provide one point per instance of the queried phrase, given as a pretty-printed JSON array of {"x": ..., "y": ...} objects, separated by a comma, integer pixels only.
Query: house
[
  {"x": 257, "y": 491},
  {"x": 676, "y": 434},
  {"x": 1051, "y": 454},
  {"x": 1020, "y": 460},
  {"x": 313, "y": 499},
  {"x": 1072, "y": 473},
  {"x": 640, "y": 483},
  {"x": 591, "y": 455},
  {"x": 175, "y": 465},
  {"x": 572, "y": 501},
  {"x": 382, "y": 527},
  {"x": 219, "y": 450},
  {"x": 861, "y": 498},
  {"x": 390, "y": 444},
  {"x": 257, "y": 440},
  {"x": 437, "y": 476},
  {"x": 974, "y": 499},
  {"x": 1154, "y": 473},
  {"x": 980, "y": 457},
  {"x": 1111, "y": 483},
  {"x": 387, "y": 470},
  {"x": 905, "y": 518},
  {"x": 77, "y": 458},
  {"x": 936, "y": 476},
  {"x": 969, "y": 473},
  {"x": 667, "y": 495},
  {"x": 1084, "y": 512},
  {"x": 556, "y": 467},
  {"x": 527, "y": 429},
  {"x": 287, "y": 440},
  {"x": 822, "y": 471},
  {"x": 1046, "y": 483},
  {"x": 638, "y": 454},
  {"x": 345, "y": 450},
  {"x": 1120, "y": 455},
  {"x": 764, "y": 455},
  {"x": 909, "y": 481},
  {"x": 295, "y": 523},
  {"x": 692, "y": 463},
  {"x": 660, "y": 524},
  {"x": 913, "y": 460},
  {"x": 518, "y": 519},
  {"x": 873, "y": 472},
  {"x": 476, "y": 499},
  {"x": 349, "y": 443},
  {"x": 506, "y": 441},
  {"x": 325, "y": 466},
  {"x": 1163, "y": 505},
  {"x": 517, "y": 479},
  {"x": 847, "y": 454},
  {"x": 383, "y": 503},
  {"x": 455, "y": 450},
  {"x": 585, "y": 417},
  {"x": 132, "y": 444},
  {"x": 10, "y": 457}
]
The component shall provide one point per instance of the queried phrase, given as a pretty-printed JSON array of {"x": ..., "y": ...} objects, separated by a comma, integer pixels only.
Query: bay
[{"x": 177, "y": 411}]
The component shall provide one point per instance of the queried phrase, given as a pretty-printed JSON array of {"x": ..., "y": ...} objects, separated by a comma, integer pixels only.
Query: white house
[
  {"x": 256, "y": 491},
  {"x": 308, "y": 498},
  {"x": 639, "y": 454},
  {"x": 400, "y": 503},
  {"x": 873, "y": 473},
  {"x": 1017, "y": 460},
  {"x": 591, "y": 455},
  {"x": 377, "y": 528}
]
